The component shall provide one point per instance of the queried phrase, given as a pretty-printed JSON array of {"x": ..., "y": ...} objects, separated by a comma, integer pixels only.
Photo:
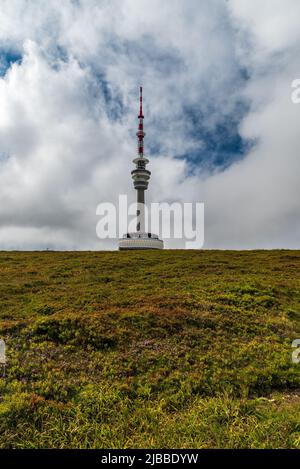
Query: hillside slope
[{"x": 150, "y": 349}]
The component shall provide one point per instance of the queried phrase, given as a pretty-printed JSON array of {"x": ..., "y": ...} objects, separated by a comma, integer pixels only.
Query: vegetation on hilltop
[{"x": 150, "y": 349}]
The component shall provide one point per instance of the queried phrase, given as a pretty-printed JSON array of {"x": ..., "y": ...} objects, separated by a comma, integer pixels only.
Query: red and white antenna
[
  {"x": 140, "y": 133},
  {"x": 141, "y": 103}
]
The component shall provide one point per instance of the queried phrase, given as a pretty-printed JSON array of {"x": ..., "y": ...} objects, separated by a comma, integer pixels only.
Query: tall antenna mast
[
  {"x": 140, "y": 175},
  {"x": 140, "y": 133}
]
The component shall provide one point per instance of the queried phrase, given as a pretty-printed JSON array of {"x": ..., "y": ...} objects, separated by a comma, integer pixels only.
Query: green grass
[{"x": 150, "y": 349}]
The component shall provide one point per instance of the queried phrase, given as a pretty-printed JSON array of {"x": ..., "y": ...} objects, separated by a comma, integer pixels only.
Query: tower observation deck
[{"x": 141, "y": 176}]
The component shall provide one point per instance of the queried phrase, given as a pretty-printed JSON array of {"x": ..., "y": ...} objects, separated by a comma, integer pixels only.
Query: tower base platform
[{"x": 140, "y": 240}]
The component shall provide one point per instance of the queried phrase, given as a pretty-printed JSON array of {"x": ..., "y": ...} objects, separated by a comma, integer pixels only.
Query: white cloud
[
  {"x": 64, "y": 151},
  {"x": 273, "y": 25},
  {"x": 255, "y": 203}
]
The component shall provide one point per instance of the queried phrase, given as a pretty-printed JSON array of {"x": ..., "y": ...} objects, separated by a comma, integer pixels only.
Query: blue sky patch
[{"x": 7, "y": 58}]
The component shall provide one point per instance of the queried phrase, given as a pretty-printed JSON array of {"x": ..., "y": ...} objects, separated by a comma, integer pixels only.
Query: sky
[{"x": 220, "y": 124}]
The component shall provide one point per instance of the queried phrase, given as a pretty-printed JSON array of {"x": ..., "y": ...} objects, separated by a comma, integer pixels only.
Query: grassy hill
[{"x": 150, "y": 349}]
